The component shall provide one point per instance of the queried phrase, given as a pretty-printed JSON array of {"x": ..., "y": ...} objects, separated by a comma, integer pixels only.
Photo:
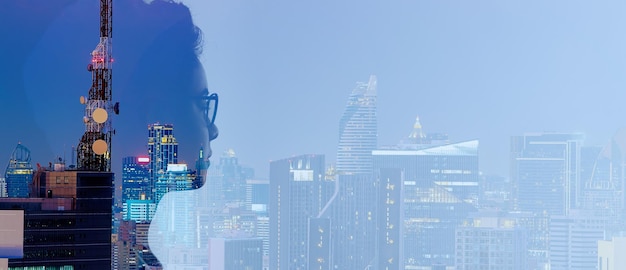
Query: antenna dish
[
  {"x": 99, "y": 147},
  {"x": 82, "y": 100},
  {"x": 85, "y": 119},
  {"x": 100, "y": 115}
]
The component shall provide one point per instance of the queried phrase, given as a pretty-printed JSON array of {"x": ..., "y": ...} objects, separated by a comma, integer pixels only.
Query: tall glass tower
[
  {"x": 19, "y": 172},
  {"x": 358, "y": 130},
  {"x": 162, "y": 150},
  {"x": 135, "y": 178}
]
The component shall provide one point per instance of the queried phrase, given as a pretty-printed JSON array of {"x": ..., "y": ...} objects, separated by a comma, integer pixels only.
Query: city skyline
[
  {"x": 420, "y": 71},
  {"x": 515, "y": 159}
]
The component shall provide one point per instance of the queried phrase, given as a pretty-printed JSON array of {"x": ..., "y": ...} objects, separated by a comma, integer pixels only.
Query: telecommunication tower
[{"x": 94, "y": 149}]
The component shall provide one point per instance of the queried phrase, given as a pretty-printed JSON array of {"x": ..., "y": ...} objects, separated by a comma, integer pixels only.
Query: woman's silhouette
[{"x": 157, "y": 77}]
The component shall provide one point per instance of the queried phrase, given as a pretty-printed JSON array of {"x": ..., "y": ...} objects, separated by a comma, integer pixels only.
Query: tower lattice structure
[{"x": 94, "y": 149}]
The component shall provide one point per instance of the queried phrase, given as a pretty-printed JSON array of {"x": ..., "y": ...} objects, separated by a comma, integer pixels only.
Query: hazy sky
[{"x": 473, "y": 69}]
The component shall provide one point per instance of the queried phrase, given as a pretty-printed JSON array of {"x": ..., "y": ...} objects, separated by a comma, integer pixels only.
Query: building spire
[{"x": 417, "y": 133}]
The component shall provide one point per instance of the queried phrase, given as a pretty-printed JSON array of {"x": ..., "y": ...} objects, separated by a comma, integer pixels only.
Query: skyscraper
[
  {"x": 135, "y": 178},
  {"x": 358, "y": 130},
  {"x": 353, "y": 220},
  {"x": 177, "y": 177},
  {"x": 19, "y": 172},
  {"x": 162, "y": 150},
  {"x": 603, "y": 178},
  {"x": 433, "y": 196},
  {"x": 545, "y": 172},
  {"x": 298, "y": 192}
]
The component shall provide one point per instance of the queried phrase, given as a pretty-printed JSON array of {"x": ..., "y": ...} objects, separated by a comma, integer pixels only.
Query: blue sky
[{"x": 482, "y": 70}]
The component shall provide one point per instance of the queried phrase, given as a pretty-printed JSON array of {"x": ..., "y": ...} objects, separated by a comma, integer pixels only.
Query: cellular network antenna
[{"x": 94, "y": 149}]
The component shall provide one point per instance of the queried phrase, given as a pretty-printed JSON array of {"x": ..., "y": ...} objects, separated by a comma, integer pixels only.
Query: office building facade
[
  {"x": 68, "y": 223},
  {"x": 353, "y": 220},
  {"x": 545, "y": 172},
  {"x": 298, "y": 192},
  {"x": 135, "y": 178},
  {"x": 491, "y": 242},
  {"x": 574, "y": 240},
  {"x": 438, "y": 187}
]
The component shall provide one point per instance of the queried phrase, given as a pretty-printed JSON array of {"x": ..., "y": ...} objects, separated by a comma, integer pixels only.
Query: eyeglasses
[{"x": 209, "y": 112}]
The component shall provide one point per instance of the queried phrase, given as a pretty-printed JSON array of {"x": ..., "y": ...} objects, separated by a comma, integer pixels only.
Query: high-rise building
[
  {"x": 603, "y": 179},
  {"x": 177, "y": 177},
  {"x": 67, "y": 224},
  {"x": 263, "y": 232},
  {"x": 545, "y": 172},
  {"x": 452, "y": 166},
  {"x": 352, "y": 212},
  {"x": 298, "y": 192},
  {"x": 574, "y": 240},
  {"x": 19, "y": 172},
  {"x": 391, "y": 232},
  {"x": 135, "y": 178},
  {"x": 358, "y": 130},
  {"x": 491, "y": 242},
  {"x": 352, "y": 208},
  {"x": 162, "y": 150},
  {"x": 439, "y": 185},
  {"x": 319, "y": 244}
]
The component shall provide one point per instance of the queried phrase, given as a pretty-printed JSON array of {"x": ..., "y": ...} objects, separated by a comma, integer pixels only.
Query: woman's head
[{"x": 157, "y": 76}]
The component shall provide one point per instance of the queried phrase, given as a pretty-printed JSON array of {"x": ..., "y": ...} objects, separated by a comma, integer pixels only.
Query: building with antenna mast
[
  {"x": 67, "y": 214},
  {"x": 94, "y": 149}
]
